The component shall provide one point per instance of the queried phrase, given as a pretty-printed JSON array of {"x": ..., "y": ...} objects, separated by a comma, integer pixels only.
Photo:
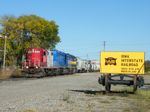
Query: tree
[
  {"x": 25, "y": 32},
  {"x": 147, "y": 65}
]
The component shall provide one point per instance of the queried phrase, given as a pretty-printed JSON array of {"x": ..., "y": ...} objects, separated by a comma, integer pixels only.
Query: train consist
[{"x": 39, "y": 62}]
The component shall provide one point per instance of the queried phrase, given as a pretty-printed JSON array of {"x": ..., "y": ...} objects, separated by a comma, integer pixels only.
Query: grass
[
  {"x": 16, "y": 73},
  {"x": 139, "y": 92},
  {"x": 10, "y": 72},
  {"x": 140, "y": 101},
  {"x": 144, "y": 94},
  {"x": 105, "y": 101},
  {"x": 5, "y": 74},
  {"x": 147, "y": 73},
  {"x": 113, "y": 98},
  {"x": 66, "y": 97}
]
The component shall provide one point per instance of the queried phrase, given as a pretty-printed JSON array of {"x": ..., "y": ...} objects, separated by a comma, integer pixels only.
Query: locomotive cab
[{"x": 35, "y": 58}]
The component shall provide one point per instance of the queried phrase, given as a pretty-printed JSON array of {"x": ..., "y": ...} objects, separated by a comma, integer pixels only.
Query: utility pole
[
  {"x": 4, "y": 51},
  {"x": 104, "y": 45},
  {"x": 4, "y": 56}
]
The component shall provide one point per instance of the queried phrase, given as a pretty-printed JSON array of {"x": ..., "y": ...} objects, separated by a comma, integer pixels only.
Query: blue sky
[{"x": 85, "y": 24}]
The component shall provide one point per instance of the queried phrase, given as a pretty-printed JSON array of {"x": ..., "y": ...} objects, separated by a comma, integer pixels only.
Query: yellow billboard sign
[{"x": 122, "y": 62}]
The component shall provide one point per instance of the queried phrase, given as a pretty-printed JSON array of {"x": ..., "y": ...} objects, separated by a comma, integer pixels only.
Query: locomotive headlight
[
  {"x": 36, "y": 67},
  {"x": 27, "y": 67}
]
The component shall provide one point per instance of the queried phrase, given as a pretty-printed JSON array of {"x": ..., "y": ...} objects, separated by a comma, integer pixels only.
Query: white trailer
[{"x": 81, "y": 65}]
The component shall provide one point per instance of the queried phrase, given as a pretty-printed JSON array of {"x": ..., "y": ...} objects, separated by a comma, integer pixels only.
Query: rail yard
[
  {"x": 69, "y": 93},
  {"x": 75, "y": 56}
]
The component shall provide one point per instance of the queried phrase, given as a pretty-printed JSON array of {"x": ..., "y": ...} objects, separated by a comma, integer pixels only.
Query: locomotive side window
[{"x": 44, "y": 53}]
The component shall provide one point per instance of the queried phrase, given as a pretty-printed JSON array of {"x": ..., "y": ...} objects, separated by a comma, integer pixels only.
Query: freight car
[
  {"x": 95, "y": 66},
  {"x": 82, "y": 65},
  {"x": 87, "y": 65},
  {"x": 40, "y": 62}
]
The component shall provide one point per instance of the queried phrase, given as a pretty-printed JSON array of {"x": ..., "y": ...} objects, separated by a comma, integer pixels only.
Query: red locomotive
[{"x": 35, "y": 58}]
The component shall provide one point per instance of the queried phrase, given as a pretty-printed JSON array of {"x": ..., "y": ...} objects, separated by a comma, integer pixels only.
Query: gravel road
[{"x": 69, "y": 93}]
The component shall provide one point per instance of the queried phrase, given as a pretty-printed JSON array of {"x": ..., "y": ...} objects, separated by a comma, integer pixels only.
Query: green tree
[
  {"x": 25, "y": 32},
  {"x": 147, "y": 65}
]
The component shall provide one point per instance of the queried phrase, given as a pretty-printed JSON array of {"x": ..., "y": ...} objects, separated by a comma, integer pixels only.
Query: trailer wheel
[
  {"x": 107, "y": 84},
  {"x": 135, "y": 83}
]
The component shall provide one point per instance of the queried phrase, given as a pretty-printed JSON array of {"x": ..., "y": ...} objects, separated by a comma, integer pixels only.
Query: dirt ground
[{"x": 69, "y": 93}]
